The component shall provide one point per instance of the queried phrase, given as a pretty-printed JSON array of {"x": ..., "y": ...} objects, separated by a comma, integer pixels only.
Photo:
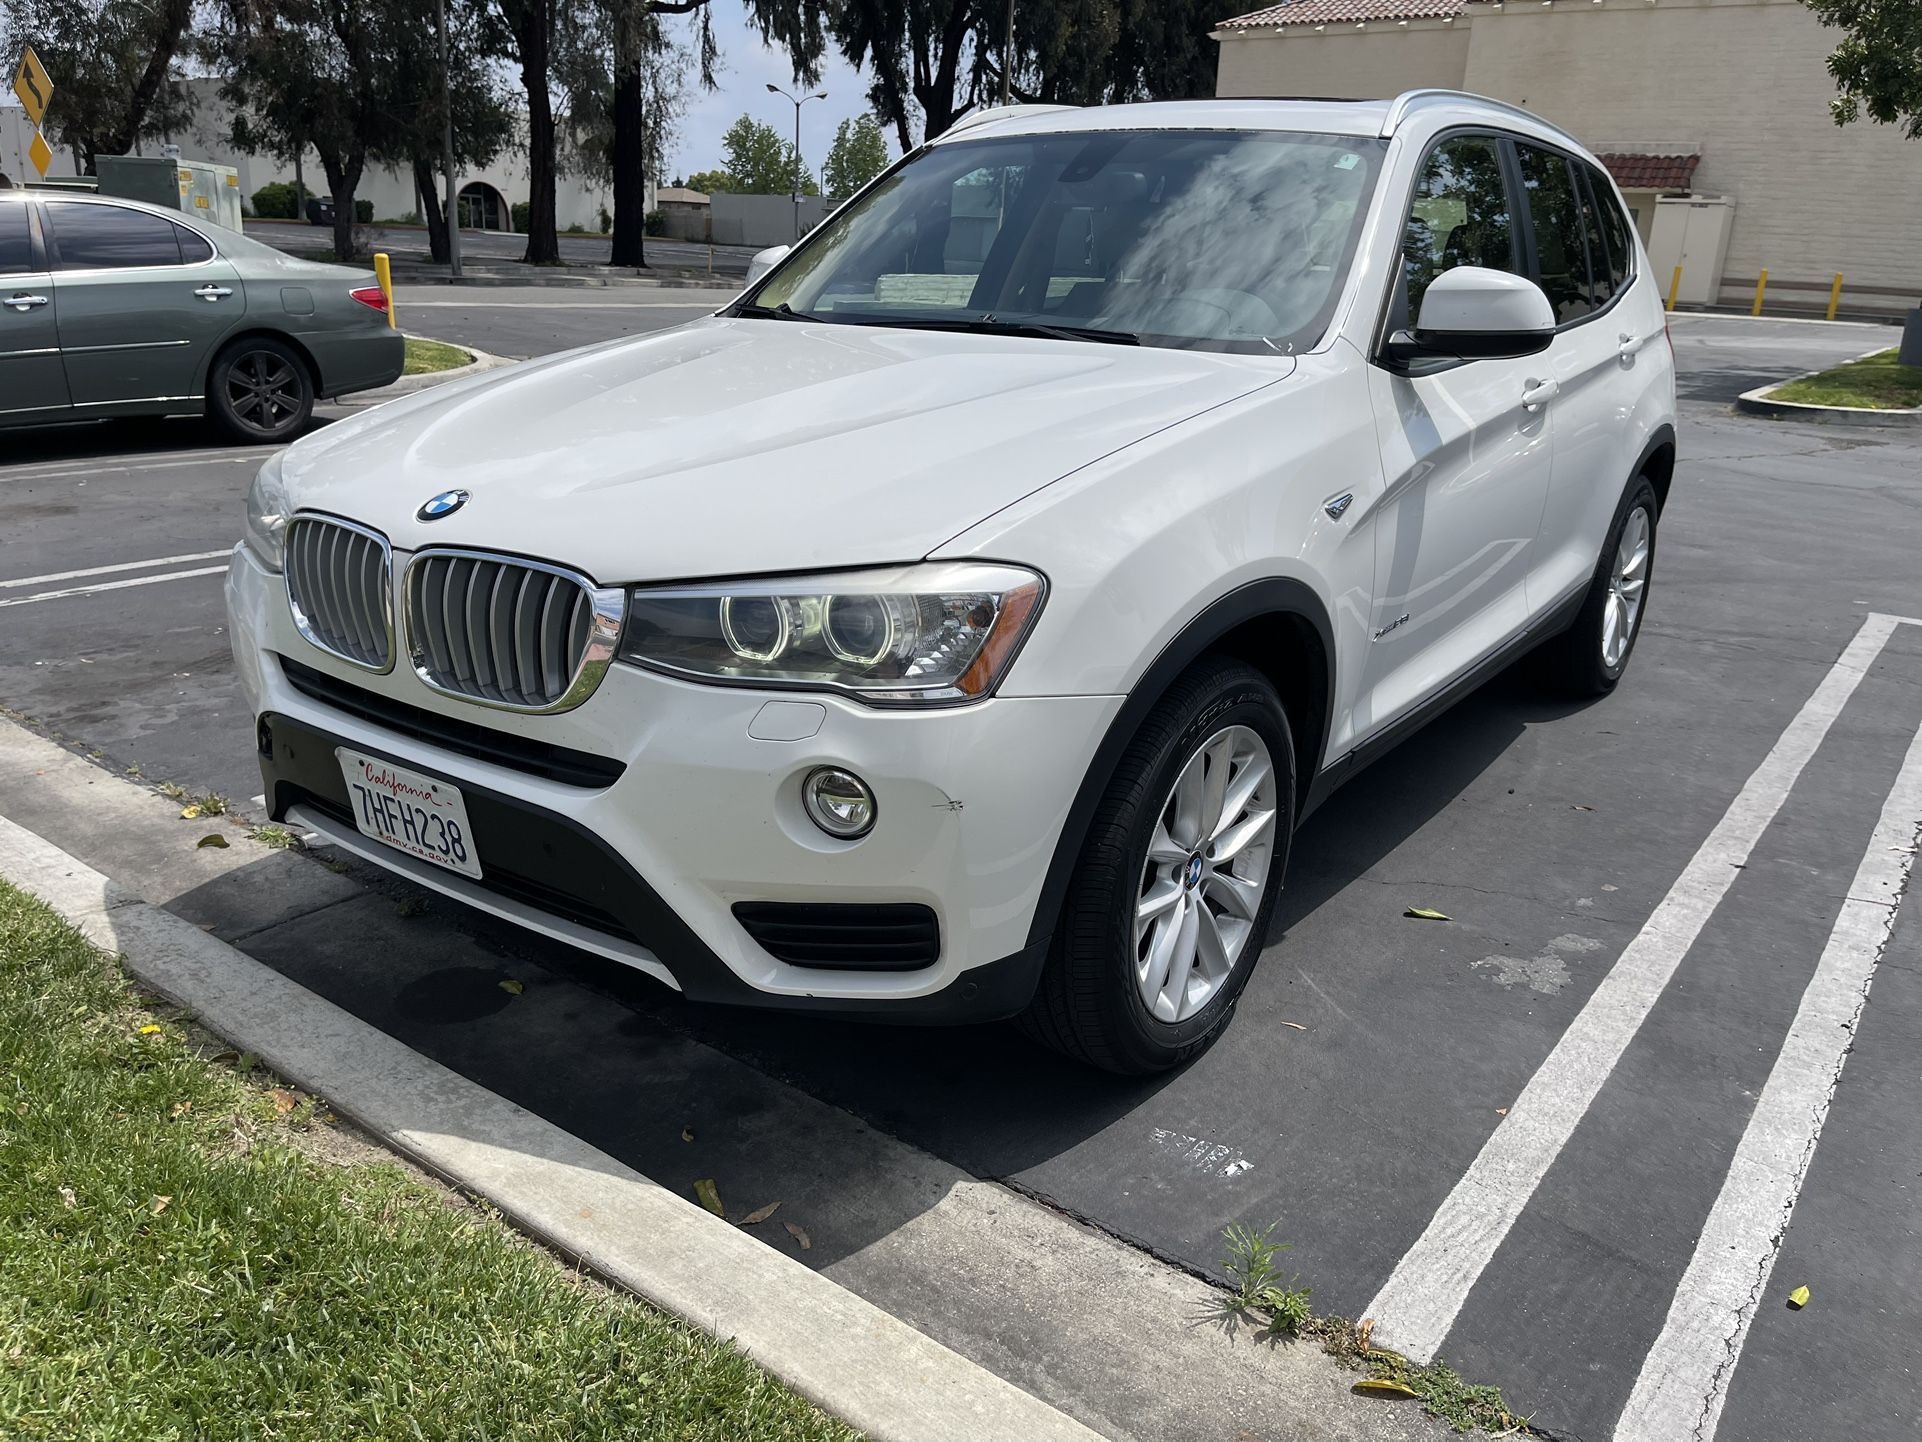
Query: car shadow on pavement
[
  {"x": 757, "y": 1100},
  {"x": 145, "y": 436}
]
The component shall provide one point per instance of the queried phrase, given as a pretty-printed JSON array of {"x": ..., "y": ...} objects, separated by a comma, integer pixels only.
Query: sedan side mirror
[
  {"x": 765, "y": 260},
  {"x": 1473, "y": 313}
]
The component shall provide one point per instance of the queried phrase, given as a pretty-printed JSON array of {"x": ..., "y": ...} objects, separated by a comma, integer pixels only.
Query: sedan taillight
[{"x": 371, "y": 296}]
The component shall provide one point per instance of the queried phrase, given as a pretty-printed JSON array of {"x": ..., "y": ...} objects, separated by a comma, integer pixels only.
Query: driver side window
[{"x": 1459, "y": 216}]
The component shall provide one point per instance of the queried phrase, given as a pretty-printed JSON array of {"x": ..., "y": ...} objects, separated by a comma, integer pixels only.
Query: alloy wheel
[
  {"x": 1627, "y": 584},
  {"x": 1207, "y": 866},
  {"x": 262, "y": 390}
]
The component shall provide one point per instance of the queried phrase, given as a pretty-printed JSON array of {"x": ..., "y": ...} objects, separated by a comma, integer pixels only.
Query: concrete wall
[
  {"x": 1742, "y": 82},
  {"x": 1344, "y": 63},
  {"x": 762, "y": 220},
  {"x": 1746, "y": 80}
]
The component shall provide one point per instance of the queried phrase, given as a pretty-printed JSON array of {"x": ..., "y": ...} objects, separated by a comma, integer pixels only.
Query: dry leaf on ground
[
  {"x": 760, "y": 1214},
  {"x": 1425, "y": 913},
  {"x": 709, "y": 1196},
  {"x": 284, "y": 1101},
  {"x": 799, "y": 1233}
]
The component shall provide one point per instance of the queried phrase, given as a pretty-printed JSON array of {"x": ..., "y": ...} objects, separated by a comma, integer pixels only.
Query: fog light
[{"x": 838, "y": 802}]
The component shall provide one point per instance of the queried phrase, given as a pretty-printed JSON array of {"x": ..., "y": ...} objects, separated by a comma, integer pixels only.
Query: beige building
[{"x": 1713, "y": 116}]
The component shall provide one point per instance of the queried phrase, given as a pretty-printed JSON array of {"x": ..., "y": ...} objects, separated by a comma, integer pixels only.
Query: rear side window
[
  {"x": 194, "y": 247},
  {"x": 16, "y": 241},
  {"x": 1459, "y": 216},
  {"x": 109, "y": 237},
  {"x": 1561, "y": 246},
  {"x": 1601, "y": 279},
  {"x": 1621, "y": 245}
]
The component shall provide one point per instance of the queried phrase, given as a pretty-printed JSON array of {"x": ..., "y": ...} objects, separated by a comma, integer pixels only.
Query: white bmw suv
[{"x": 959, "y": 624}]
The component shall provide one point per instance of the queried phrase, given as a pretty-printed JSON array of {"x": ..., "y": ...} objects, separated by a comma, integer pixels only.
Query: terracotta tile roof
[
  {"x": 1335, "y": 12},
  {"x": 1652, "y": 172}
]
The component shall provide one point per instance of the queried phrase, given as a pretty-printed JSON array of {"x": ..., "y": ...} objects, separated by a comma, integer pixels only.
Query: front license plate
[{"x": 411, "y": 812}]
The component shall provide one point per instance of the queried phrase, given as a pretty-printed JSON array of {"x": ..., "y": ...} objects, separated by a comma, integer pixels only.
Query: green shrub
[
  {"x": 654, "y": 223},
  {"x": 607, "y": 221},
  {"x": 363, "y": 212},
  {"x": 275, "y": 201},
  {"x": 523, "y": 214}
]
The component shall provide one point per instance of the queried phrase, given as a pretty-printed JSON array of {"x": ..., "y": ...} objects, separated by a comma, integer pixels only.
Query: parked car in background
[
  {"x": 959, "y": 624},
  {"x": 116, "y": 308}
]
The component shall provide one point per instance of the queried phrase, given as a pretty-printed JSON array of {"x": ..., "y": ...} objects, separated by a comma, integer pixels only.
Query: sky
[{"x": 748, "y": 67}]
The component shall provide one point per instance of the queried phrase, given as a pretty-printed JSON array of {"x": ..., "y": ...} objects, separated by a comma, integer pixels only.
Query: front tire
[
  {"x": 1588, "y": 659},
  {"x": 1170, "y": 904},
  {"x": 260, "y": 392}
]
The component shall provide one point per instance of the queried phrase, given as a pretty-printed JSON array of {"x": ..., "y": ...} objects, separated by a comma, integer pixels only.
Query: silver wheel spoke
[
  {"x": 1256, "y": 827},
  {"x": 1238, "y": 896},
  {"x": 1205, "y": 874}
]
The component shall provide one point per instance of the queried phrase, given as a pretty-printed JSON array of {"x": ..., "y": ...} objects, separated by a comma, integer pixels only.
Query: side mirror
[
  {"x": 765, "y": 260},
  {"x": 1472, "y": 313}
]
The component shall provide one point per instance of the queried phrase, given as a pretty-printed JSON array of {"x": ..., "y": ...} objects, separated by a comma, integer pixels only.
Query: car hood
[{"x": 742, "y": 446}]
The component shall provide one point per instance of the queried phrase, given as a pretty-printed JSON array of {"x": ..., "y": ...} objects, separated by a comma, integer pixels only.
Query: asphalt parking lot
[{"x": 1641, "y": 891}]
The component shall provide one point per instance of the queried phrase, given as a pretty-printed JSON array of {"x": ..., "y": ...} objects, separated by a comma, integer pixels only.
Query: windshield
[{"x": 1225, "y": 240}]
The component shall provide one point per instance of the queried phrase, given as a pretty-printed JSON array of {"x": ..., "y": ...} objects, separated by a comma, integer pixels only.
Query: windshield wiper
[
  {"x": 783, "y": 311},
  {"x": 992, "y": 325}
]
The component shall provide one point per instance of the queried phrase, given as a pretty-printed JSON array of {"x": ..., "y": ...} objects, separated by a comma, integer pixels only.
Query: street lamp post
[
  {"x": 450, "y": 219},
  {"x": 798, "y": 102}
]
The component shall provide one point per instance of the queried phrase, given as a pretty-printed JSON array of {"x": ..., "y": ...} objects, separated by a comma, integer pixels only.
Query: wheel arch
[
  {"x": 1277, "y": 625},
  {"x": 1657, "y": 462},
  {"x": 261, "y": 332}
]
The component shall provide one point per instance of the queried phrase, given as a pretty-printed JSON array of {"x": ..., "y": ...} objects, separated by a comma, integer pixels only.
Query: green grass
[
  {"x": 182, "y": 1259},
  {"x": 427, "y": 356},
  {"x": 1257, "y": 1293},
  {"x": 1874, "y": 382}
]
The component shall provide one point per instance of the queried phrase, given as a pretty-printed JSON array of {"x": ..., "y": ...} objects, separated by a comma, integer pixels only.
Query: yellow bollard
[
  {"x": 1761, "y": 284},
  {"x": 1835, "y": 294},
  {"x": 1674, "y": 287},
  {"x": 384, "y": 273}
]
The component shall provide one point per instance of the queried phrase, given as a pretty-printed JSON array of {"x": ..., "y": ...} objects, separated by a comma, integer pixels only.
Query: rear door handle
[
  {"x": 1536, "y": 394},
  {"x": 23, "y": 302},
  {"x": 213, "y": 292},
  {"x": 1632, "y": 343}
]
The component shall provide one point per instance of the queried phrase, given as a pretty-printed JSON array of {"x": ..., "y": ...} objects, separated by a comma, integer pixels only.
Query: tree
[
  {"x": 759, "y": 162},
  {"x": 1878, "y": 65},
  {"x": 304, "y": 73},
  {"x": 709, "y": 181},
  {"x": 859, "y": 153},
  {"x": 483, "y": 110},
  {"x": 114, "y": 66},
  {"x": 532, "y": 24}
]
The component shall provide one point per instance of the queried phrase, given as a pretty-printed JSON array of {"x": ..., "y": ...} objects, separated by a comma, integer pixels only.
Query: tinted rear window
[
  {"x": 16, "y": 243},
  {"x": 1561, "y": 249},
  {"x": 109, "y": 237},
  {"x": 194, "y": 247}
]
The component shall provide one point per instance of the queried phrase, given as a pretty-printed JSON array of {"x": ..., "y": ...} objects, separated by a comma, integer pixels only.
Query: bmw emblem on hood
[{"x": 445, "y": 504}]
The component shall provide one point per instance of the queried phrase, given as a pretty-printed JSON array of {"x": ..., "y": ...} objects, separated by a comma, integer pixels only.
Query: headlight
[
  {"x": 913, "y": 635},
  {"x": 267, "y": 513}
]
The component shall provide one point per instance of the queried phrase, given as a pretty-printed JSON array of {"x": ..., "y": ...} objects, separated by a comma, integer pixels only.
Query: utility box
[
  {"x": 1691, "y": 231},
  {"x": 195, "y": 187}
]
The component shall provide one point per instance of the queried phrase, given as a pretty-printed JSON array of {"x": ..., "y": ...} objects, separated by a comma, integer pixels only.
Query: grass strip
[
  {"x": 186, "y": 1257},
  {"x": 424, "y": 357},
  {"x": 1875, "y": 382}
]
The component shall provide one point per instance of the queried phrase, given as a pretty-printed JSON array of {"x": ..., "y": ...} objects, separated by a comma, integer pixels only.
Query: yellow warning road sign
[
  {"x": 40, "y": 153},
  {"x": 33, "y": 85}
]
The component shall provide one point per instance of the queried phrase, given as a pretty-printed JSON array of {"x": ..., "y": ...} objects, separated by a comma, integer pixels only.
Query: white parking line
[
  {"x": 113, "y": 585},
  {"x": 1419, "y": 1302},
  {"x": 123, "y": 566},
  {"x": 1685, "y": 1376},
  {"x": 60, "y": 471}
]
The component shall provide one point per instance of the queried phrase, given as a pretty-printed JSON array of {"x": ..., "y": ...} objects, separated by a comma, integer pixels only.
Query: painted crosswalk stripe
[
  {"x": 154, "y": 564},
  {"x": 112, "y": 585},
  {"x": 1419, "y": 1302},
  {"x": 1685, "y": 1377}
]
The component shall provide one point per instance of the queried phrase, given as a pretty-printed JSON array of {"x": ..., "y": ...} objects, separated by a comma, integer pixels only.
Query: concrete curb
[
  {"x": 843, "y": 1353},
  {"x": 1758, "y": 403},
  {"x": 483, "y": 361}
]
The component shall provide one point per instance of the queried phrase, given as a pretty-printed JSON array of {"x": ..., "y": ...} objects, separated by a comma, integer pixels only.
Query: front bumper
[{"x": 646, "y": 867}]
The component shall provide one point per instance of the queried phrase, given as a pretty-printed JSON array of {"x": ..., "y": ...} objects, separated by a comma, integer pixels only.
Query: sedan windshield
[{"x": 1222, "y": 240}]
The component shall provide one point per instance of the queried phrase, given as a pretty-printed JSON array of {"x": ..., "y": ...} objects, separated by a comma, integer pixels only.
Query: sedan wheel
[{"x": 261, "y": 391}]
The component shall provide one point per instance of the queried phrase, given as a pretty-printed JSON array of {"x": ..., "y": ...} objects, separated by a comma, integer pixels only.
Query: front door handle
[
  {"x": 1536, "y": 394},
  {"x": 23, "y": 302},
  {"x": 213, "y": 292}
]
